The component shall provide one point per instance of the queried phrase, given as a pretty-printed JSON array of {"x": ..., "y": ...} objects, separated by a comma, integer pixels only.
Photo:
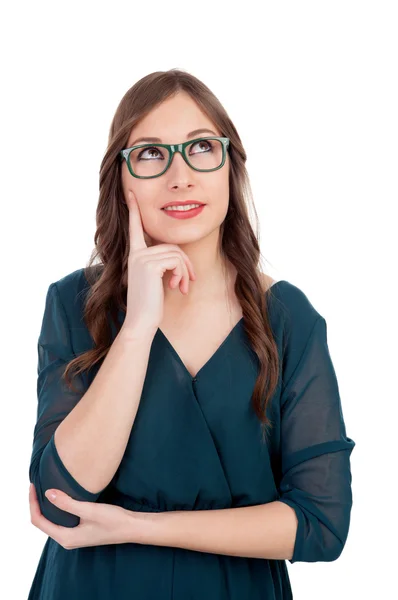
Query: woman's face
[{"x": 172, "y": 121}]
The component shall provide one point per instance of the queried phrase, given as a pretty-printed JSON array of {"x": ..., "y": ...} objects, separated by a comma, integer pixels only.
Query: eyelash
[{"x": 156, "y": 148}]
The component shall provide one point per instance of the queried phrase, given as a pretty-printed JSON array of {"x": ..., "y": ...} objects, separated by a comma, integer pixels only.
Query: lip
[
  {"x": 182, "y": 203},
  {"x": 185, "y": 214}
]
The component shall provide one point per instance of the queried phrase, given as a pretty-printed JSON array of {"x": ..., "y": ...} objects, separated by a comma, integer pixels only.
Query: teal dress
[{"x": 196, "y": 445}]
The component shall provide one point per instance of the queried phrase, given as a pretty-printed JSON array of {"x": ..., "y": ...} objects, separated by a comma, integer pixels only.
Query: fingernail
[{"x": 51, "y": 495}]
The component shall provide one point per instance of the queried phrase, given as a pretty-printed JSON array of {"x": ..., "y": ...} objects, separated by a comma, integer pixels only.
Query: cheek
[
  {"x": 152, "y": 222},
  {"x": 219, "y": 197}
]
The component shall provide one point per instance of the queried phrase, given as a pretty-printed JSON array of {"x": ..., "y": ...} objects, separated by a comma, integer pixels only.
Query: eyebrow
[{"x": 189, "y": 135}]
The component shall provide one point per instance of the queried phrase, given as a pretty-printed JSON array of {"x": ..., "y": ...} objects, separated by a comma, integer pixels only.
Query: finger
[
  {"x": 136, "y": 230},
  {"x": 172, "y": 261},
  {"x": 176, "y": 278},
  {"x": 189, "y": 265},
  {"x": 157, "y": 249},
  {"x": 180, "y": 276},
  {"x": 39, "y": 520},
  {"x": 184, "y": 280},
  {"x": 65, "y": 502}
]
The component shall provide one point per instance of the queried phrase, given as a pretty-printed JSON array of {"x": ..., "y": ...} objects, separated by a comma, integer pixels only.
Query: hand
[
  {"x": 145, "y": 269},
  {"x": 99, "y": 523}
]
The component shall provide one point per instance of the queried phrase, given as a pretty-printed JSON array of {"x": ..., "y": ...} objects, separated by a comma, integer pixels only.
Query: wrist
[
  {"x": 143, "y": 527},
  {"x": 134, "y": 336}
]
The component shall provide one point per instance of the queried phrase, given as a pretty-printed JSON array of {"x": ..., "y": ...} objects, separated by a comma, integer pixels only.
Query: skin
[
  {"x": 100, "y": 523},
  {"x": 231, "y": 531},
  {"x": 260, "y": 531},
  {"x": 198, "y": 237},
  {"x": 171, "y": 121}
]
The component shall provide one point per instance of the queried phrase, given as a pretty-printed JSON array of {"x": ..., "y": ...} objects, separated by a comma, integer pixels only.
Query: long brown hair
[{"x": 238, "y": 242}]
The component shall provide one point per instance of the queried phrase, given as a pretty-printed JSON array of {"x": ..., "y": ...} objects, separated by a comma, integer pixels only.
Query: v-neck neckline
[
  {"x": 212, "y": 357},
  {"x": 215, "y": 354}
]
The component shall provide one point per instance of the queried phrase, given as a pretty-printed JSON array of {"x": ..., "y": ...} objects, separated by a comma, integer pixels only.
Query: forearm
[
  {"x": 261, "y": 531},
  {"x": 92, "y": 438}
]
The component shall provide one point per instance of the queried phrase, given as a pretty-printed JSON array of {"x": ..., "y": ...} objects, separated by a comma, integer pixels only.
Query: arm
[
  {"x": 310, "y": 521},
  {"x": 315, "y": 468},
  {"x": 261, "y": 531},
  {"x": 80, "y": 438}
]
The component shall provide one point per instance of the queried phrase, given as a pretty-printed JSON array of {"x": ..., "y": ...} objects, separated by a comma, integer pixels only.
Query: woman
[{"x": 200, "y": 442}]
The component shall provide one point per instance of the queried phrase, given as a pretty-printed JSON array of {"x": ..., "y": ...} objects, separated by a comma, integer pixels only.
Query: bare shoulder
[{"x": 266, "y": 280}]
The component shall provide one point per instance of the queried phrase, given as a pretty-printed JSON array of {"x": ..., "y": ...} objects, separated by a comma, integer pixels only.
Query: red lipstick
[
  {"x": 183, "y": 214},
  {"x": 181, "y": 203}
]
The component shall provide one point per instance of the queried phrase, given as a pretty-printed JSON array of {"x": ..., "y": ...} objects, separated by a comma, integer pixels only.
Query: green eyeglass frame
[{"x": 173, "y": 148}]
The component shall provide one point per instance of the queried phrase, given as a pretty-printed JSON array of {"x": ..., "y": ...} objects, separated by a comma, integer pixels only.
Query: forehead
[{"x": 175, "y": 120}]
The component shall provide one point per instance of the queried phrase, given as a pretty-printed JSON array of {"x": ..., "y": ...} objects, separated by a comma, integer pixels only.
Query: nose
[
  {"x": 179, "y": 172},
  {"x": 178, "y": 160}
]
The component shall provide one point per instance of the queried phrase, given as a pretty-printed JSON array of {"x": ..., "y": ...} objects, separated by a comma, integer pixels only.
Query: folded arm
[{"x": 310, "y": 520}]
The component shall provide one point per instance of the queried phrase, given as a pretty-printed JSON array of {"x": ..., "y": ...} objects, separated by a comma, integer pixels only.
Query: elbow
[
  {"x": 326, "y": 546},
  {"x": 327, "y": 550},
  {"x": 334, "y": 536},
  {"x": 51, "y": 512},
  {"x": 47, "y": 508},
  {"x": 318, "y": 552},
  {"x": 332, "y": 552},
  {"x": 317, "y": 540}
]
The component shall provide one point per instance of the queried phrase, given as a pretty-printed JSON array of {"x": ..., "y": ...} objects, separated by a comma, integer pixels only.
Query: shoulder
[
  {"x": 292, "y": 301},
  {"x": 78, "y": 280},
  {"x": 266, "y": 281},
  {"x": 72, "y": 290},
  {"x": 292, "y": 313}
]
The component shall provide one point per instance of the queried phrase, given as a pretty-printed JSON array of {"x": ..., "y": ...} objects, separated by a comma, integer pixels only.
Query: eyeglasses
[{"x": 147, "y": 160}]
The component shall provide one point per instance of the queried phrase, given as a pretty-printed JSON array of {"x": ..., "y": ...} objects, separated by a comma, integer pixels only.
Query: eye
[
  {"x": 154, "y": 152},
  {"x": 204, "y": 145}
]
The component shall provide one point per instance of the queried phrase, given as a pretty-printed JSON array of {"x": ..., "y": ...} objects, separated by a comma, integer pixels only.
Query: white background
[{"x": 312, "y": 90}]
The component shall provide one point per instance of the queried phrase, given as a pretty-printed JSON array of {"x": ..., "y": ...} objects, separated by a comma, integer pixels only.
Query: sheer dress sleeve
[
  {"x": 315, "y": 453},
  {"x": 55, "y": 401}
]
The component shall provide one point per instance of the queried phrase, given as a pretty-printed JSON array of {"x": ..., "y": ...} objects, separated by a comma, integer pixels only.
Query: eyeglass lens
[{"x": 203, "y": 155}]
